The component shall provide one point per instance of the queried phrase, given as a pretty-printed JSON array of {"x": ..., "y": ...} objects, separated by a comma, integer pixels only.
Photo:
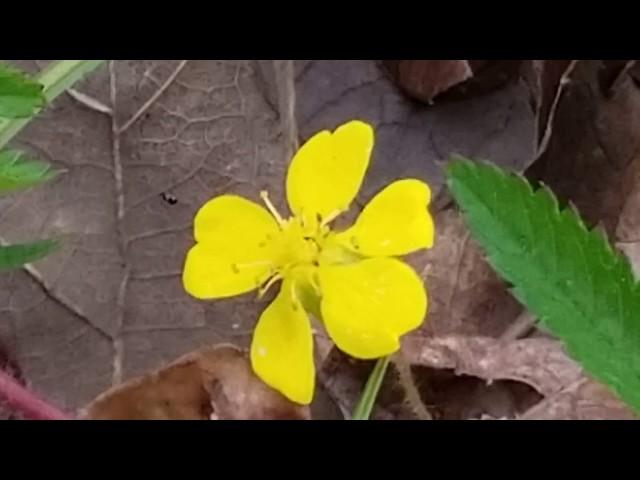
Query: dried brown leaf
[
  {"x": 411, "y": 140},
  {"x": 613, "y": 73},
  {"x": 110, "y": 305},
  {"x": 444, "y": 394},
  {"x": 466, "y": 296},
  {"x": 591, "y": 158},
  {"x": 585, "y": 399},
  {"x": 426, "y": 79},
  {"x": 538, "y": 362},
  {"x": 215, "y": 382},
  {"x": 547, "y": 80}
]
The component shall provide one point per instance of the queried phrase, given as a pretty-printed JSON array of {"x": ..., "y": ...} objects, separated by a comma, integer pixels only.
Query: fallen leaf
[
  {"x": 591, "y": 158},
  {"x": 466, "y": 295},
  {"x": 426, "y": 80},
  {"x": 444, "y": 394},
  {"x": 109, "y": 305},
  {"x": 547, "y": 80},
  {"x": 612, "y": 74},
  {"x": 538, "y": 362},
  {"x": 411, "y": 140},
  {"x": 212, "y": 383},
  {"x": 582, "y": 400}
]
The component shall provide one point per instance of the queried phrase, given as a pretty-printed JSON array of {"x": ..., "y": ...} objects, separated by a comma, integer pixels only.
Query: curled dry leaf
[
  {"x": 539, "y": 362},
  {"x": 613, "y": 74},
  {"x": 211, "y": 383},
  {"x": 439, "y": 392},
  {"x": 585, "y": 399},
  {"x": 425, "y": 80}
]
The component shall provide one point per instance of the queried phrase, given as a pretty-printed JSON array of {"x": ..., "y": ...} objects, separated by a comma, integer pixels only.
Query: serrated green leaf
[
  {"x": 20, "y": 96},
  {"x": 56, "y": 79},
  {"x": 18, "y": 171},
  {"x": 14, "y": 256},
  {"x": 570, "y": 277}
]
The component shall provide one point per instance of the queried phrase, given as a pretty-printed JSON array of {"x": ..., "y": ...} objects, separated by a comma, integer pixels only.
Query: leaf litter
[{"x": 104, "y": 325}]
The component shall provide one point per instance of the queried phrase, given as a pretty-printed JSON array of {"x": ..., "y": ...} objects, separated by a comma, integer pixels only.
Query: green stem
[
  {"x": 370, "y": 392},
  {"x": 55, "y": 79}
]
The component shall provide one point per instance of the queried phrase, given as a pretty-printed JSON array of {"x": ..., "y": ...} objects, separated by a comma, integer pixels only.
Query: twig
[
  {"x": 21, "y": 400},
  {"x": 89, "y": 102},
  {"x": 519, "y": 328},
  {"x": 285, "y": 83},
  {"x": 412, "y": 394},
  {"x": 153, "y": 98}
]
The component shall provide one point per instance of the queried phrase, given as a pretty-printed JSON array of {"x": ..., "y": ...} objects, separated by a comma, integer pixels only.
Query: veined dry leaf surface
[
  {"x": 411, "y": 139},
  {"x": 110, "y": 305}
]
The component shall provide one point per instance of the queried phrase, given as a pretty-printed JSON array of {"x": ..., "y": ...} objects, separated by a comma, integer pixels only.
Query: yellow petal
[
  {"x": 282, "y": 347},
  {"x": 367, "y": 306},
  {"x": 235, "y": 251},
  {"x": 395, "y": 222},
  {"x": 229, "y": 218},
  {"x": 326, "y": 173}
]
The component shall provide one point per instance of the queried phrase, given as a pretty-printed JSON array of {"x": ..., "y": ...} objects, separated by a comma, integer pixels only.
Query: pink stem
[{"x": 19, "y": 399}]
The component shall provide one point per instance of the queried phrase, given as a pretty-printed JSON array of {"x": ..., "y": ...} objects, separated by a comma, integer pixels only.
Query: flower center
[
  {"x": 297, "y": 244},
  {"x": 301, "y": 245},
  {"x": 297, "y": 247}
]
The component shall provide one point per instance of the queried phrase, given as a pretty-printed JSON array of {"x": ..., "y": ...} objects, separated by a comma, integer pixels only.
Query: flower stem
[
  {"x": 21, "y": 400},
  {"x": 368, "y": 398}
]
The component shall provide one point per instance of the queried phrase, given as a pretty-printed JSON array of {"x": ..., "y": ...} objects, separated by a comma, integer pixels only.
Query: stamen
[
  {"x": 294, "y": 297},
  {"x": 265, "y": 198},
  {"x": 313, "y": 280},
  {"x": 268, "y": 285},
  {"x": 331, "y": 217}
]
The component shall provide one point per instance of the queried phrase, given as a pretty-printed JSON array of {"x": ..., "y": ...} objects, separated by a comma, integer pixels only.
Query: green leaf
[
  {"x": 56, "y": 78},
  {"x": 20, "y": 96},
  {"x": 567, "y": 275},
  {"x": 18, "y": 171},
  {"x": 14, "y": 256}
]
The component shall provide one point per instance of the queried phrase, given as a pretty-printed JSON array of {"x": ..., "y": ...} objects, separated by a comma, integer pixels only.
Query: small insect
[{"x": 170, "y": 199}]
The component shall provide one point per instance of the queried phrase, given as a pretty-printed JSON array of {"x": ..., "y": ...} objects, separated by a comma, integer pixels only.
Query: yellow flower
[{"x": 366, "y": 298}]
